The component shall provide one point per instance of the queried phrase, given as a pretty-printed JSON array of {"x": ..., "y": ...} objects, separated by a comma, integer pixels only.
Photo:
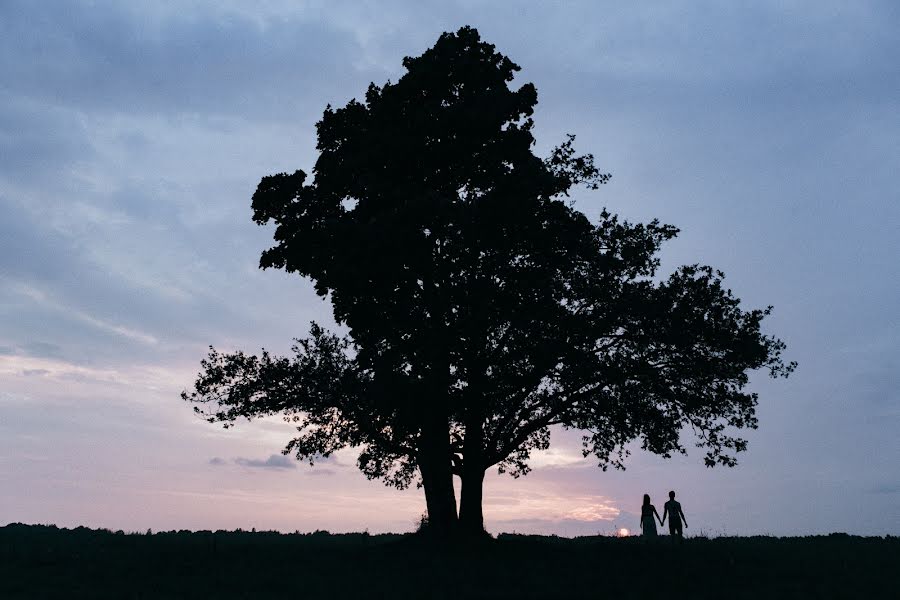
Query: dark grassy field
[{"x": 46, "y": 562}]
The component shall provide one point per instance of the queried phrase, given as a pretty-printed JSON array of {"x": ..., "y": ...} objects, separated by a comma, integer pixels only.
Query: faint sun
[{"x": 623, "y": 532}]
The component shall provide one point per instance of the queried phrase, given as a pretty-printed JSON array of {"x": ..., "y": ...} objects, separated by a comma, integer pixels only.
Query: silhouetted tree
[{"x": 482, "y": 308}]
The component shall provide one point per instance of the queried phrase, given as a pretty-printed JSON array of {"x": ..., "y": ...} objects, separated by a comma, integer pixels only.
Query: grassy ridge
[{"x": 42, "y": 561}]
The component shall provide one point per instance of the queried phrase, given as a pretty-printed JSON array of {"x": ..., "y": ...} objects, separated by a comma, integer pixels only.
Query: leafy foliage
[
  {"x": 320, "y": 388},
  {"x": 477, "y": 297}
]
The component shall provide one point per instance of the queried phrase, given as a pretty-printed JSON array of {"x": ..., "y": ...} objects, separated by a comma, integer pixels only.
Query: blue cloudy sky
[{"x": 132, "y": 135}]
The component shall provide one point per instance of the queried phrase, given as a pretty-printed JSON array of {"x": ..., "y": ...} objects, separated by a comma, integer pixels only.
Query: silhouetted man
[{"x": 676, "y": 517}]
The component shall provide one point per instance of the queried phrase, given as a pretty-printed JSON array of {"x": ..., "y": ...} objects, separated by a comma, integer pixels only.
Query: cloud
[
  {"x": 321, "y": 471},
  {"x": 37, "y": 140},
  {"x": 108, "y": 128},
  {"x": 40, "y": 350},
  {"x": 885, "y": 488},
  {"x": 557, "y": 456},
  {"x": 119, "y": 59},
  {"x": 10, "y": 398},
  {"x": 275, "y": 461},
  {"x": 546, "y": 502},
  {"x": 44, "y": 300},
  {"x": 134, "y": 378},
  {"x": 35, "y": 372}
]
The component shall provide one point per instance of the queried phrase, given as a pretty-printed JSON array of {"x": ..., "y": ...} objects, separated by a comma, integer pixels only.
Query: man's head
[{"x": 671, "y": 495}]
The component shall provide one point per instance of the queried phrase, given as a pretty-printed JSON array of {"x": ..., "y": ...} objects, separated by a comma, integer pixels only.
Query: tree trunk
[
  {"x": 434, "y": 464},
  {"x": 471, "y": 517},
  {"x": 434, "y": 442}
]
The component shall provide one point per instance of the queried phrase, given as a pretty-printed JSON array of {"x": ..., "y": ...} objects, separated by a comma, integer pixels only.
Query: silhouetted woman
[{"x": 648, "y": 525}]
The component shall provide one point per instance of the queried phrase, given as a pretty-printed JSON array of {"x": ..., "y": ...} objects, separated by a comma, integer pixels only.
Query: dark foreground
[{"x": 46, "y": 562}]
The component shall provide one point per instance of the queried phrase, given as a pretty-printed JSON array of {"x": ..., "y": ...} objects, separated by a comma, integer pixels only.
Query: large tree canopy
[{"x": 482, "y": 308}]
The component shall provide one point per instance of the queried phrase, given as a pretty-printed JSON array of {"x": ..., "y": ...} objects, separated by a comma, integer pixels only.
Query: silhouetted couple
[{"x": 672, "y": 511}]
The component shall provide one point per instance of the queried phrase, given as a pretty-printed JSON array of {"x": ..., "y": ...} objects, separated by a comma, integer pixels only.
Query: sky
[{"x": 132, "y": 136}]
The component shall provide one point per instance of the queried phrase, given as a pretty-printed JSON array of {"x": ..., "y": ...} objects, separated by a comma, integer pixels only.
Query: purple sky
[{"x": 132, "y": 136}]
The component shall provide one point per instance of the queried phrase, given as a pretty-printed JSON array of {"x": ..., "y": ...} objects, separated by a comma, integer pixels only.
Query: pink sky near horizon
[
  {"x": 152, "y": 463},
  {"x": 189, "y": 474}
]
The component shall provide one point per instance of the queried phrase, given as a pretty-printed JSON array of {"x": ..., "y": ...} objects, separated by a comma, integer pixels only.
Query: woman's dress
[{"x": 648, "y": 523}]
